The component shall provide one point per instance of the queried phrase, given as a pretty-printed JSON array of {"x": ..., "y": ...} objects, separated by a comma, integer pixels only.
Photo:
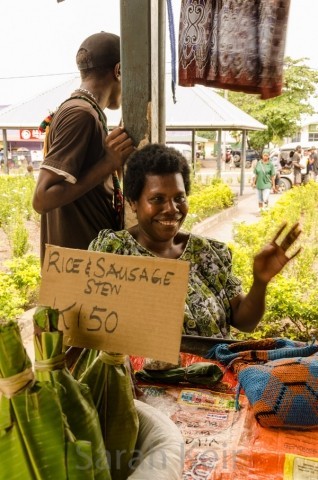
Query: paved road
[
  {"x": 220, "y": 227},
  {"x": 232, "y": 176}
]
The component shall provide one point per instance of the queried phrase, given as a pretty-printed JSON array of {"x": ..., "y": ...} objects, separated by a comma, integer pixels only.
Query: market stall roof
[
  {"x": 183, "y": 137},
  {"x": 201, "y": 108},
  {"x": 197, "y": 108}
]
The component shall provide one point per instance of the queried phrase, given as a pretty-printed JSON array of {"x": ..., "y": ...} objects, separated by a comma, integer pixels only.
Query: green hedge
[
  {"x": 16, "y": 194},
  {"x": 19, "y": 286},
  {"x": 206, "y": 200},
  {"x": 19, "y": 277},
  {"x": 292, "y": 298}
]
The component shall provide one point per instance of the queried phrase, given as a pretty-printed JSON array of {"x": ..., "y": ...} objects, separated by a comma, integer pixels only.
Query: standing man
[
  {"x": 264, "y": 180},
  {"x": 75, "y": 189},
  {"x": 313, "y": 164},
  {"x": 274, "y": 158},
  {"x": 297, "y": 165}
]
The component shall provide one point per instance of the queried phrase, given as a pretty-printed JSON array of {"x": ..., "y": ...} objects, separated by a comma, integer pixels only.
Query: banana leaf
[
  {"x": 84, "y": 360},
  {"x": 110, "y": 385},
  {"x": 32, "y": 433},
  {"x": 200, "y": 373},
  {"x": 75, "y": 398}
]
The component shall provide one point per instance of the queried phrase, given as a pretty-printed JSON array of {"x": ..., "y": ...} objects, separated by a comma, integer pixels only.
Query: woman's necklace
[{"x": 87, "y": 92}]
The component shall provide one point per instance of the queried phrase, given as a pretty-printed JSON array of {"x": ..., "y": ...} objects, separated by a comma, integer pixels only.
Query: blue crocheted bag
[
  {"x": 281, "y": 383},
  {"x": 283, "y": 393}
]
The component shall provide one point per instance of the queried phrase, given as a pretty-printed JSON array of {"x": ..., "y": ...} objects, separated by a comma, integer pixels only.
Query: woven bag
[
  {"x": 283, "y": 393},
  {"x": 281, "y": 383},
  {"x": 260, "y": 351}
]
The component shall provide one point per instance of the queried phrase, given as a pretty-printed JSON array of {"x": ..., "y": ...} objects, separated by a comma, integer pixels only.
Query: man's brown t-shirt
[{"x": 76, "y": 142}]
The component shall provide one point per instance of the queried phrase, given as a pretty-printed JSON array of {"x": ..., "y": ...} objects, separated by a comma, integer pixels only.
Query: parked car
[
  {"x": 251, "y": 155},
  {"x": 183, "y": 148},
  {"x": 286, "y": 179},
  {"x": 286, "y": 150}
]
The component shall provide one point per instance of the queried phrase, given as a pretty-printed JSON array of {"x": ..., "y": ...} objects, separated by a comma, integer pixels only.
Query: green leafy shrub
[
  {"x": 18, "y": 237},
  {"x": 16, "y": 194},
  {"x": 291, "y": 303},
  {"x": 19, "y": 286},
  {"x": 19, "y": 277},
  {"x": 206, "y": 200}
]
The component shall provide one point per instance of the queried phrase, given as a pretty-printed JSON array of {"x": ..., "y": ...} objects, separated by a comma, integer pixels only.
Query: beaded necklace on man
[{"x": 90, "y": 94}]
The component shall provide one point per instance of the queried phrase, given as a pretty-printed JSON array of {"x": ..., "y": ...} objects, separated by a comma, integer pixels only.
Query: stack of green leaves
[
  {"x": 109, "y": 380},
  {"x": 75, "y": 397},
  {"x": 82, "y": 361},
  {"x": 35, "y": 443},
  {"x": 200, "y": 373}
]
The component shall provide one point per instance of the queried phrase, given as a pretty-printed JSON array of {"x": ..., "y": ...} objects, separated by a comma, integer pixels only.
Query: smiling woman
[{"x": 156, "y": 183}]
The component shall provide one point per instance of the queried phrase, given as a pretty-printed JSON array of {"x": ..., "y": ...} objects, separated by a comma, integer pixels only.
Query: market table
[{"x": 222, "y": 443}]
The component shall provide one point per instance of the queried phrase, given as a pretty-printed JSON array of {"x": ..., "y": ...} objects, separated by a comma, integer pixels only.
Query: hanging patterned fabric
[{"x": 233, "y": 44}]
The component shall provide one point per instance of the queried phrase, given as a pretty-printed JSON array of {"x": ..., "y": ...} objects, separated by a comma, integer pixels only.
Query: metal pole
[
  {"x": 194, "y": 158},
  {"x": 219, "y": 157},
  {"x": 224, "y": 134},
  {"x": 243, "y": 158},
  {"x": 5, "y": 150},
  {"x": 162, "y": 71}
]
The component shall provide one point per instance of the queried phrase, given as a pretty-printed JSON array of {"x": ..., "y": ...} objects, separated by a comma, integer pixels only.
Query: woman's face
[{"x": 162, "y": 207}]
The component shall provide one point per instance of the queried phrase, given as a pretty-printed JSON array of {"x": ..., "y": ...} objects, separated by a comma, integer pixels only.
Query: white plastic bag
[{"x": 160, "y": 446}]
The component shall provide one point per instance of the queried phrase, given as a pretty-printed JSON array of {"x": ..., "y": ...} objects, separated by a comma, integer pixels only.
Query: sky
[{"x": 40, "y": 38}]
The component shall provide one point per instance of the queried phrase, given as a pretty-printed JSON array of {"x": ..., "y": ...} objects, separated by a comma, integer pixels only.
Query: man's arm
[
  {"x": 296, "y": 160},
  {"x": 52, "y": 190},
  {"x": 254, "y": 178}
]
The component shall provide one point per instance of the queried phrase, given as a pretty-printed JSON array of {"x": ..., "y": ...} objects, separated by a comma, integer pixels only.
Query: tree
[{"x": 281, "y": 114}]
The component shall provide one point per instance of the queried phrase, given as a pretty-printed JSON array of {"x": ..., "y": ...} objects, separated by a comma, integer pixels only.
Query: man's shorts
[{"x": 297, "y": 178}]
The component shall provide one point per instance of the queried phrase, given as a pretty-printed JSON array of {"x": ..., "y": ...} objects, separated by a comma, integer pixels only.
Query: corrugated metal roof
[
  {"x": 197, "y": 107},
  {"x": 203, "y": 108},
  {"x": 31, "y": 112}
]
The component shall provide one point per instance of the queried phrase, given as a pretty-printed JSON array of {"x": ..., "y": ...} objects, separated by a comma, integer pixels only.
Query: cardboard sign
[{"x": 118, "y": 303}]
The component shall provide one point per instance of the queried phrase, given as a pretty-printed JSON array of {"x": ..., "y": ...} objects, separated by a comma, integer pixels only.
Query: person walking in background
[
  {"x": 274, "y": 158},
  {"x": 77, "y": 192},
  {"x": 312, "y": 167},
  {"x": 297, "y": 165},
  {"x": 264, "y": 180},
  {"x": 229, "y": 160},
  {"x": 29, "y": 171},
  {"x": 304, "y": 163}
]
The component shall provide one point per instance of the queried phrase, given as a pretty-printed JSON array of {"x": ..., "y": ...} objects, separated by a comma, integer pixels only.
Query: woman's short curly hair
[{"x": 153, "y": 159}]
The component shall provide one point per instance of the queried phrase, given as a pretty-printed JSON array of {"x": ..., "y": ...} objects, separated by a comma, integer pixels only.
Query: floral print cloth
[{"x": 211, "y": 282}]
